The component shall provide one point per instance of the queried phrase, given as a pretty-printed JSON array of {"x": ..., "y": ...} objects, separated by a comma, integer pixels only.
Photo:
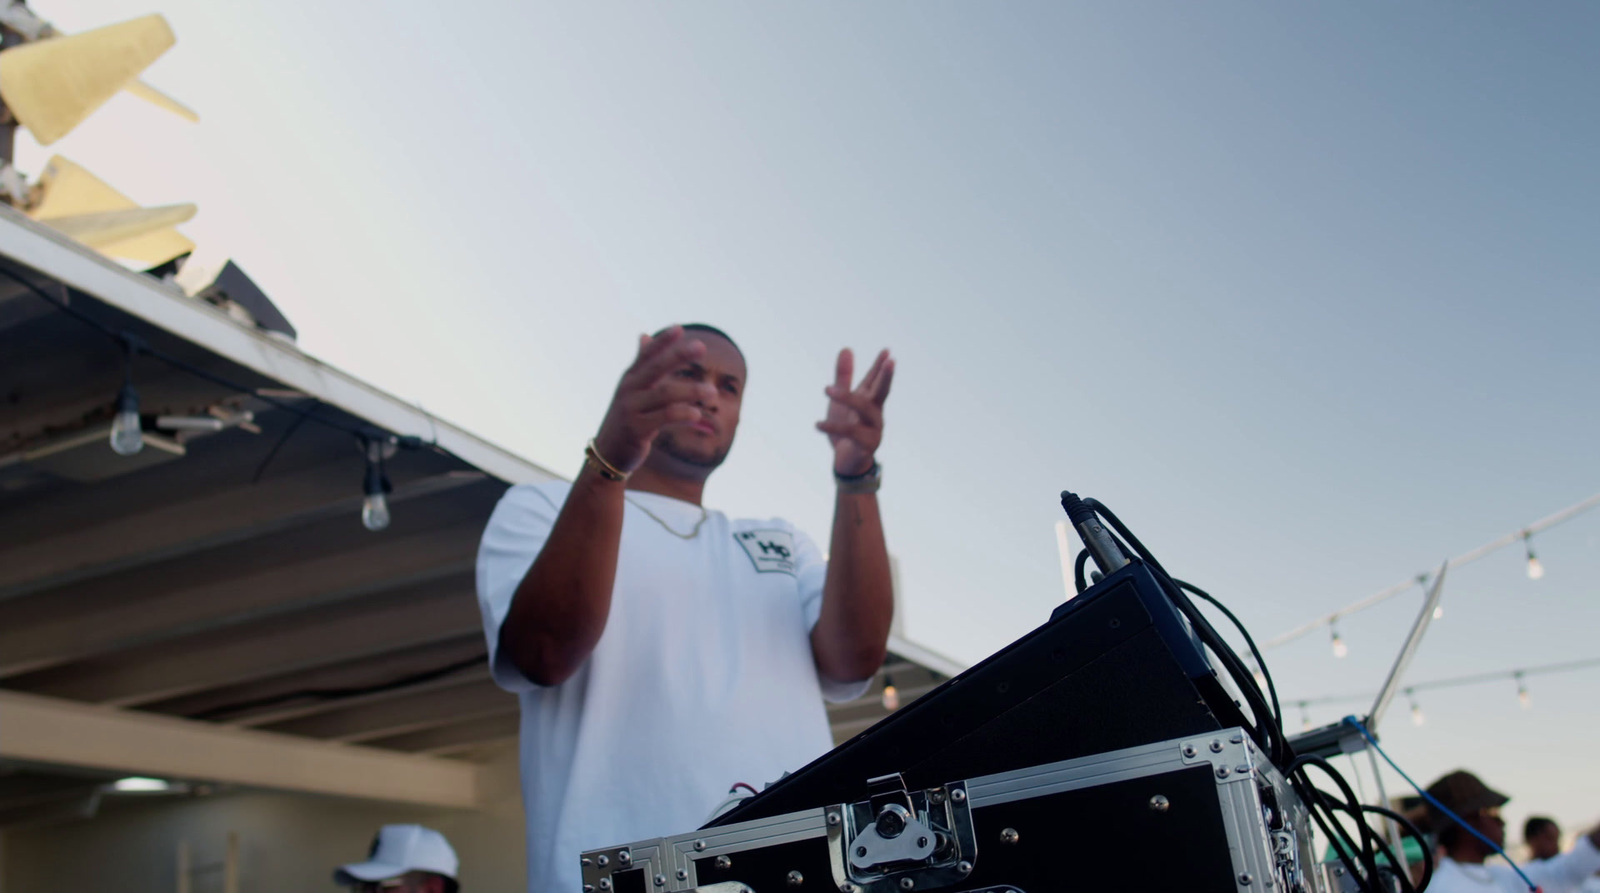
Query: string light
[
  {"x": 127, "y": 438},
  {"x": 1535, "y": 568},
  {"x": 376, "y": 488},
  {"x": 1535, "y": 571},
  {"x": 1340, "y": 649},
  {"x": 1417, "y": 718},
  {"x": 127, "y": 434},
  {"x": 1522, "y": 693},
  {"x": 1517, "y": 674},
  {"x": 1305, "y": 718},
  {"x": 1261, "y": 678},
  {"x": 891, "y": 697}
]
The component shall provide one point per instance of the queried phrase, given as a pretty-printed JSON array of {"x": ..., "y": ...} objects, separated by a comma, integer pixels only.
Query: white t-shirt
[
  {"x": 1560, "y": 874},
  {"x": 703, "y": 678}
]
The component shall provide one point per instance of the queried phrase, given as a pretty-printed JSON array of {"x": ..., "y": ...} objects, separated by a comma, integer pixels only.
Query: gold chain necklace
[{"x": 668, "y": 527}]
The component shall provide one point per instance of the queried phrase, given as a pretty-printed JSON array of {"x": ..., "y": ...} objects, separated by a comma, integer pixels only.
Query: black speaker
[{"x": 1116, "y": 667}]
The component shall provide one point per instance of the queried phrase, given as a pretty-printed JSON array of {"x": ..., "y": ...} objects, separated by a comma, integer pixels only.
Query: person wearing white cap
[{"x": 404, "y": 859}]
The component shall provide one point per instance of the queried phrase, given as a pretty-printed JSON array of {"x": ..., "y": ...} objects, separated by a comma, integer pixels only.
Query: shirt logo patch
[{"x": 771, "y": 551}]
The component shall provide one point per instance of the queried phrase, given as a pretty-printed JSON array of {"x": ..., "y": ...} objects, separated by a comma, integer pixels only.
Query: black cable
[
  {"x": 1381, "y": 849},
  {"x": 282, "y": 439},
  {"x": 1268, "y": 730},
  {"x": 1272, "y": 689},
  {"x": 134, "y": 343},
  {"x": 1373, "y": 845},
  {"x": 1381, "y": 853},
  {"x": 1407, "y": 827},
  {"x": 335, "y": 694},
  {"x": 1322, "y": 811},
  {"x": 1077, "y": 570},
  {"x": 1268, "y": 735},
  {"x": 1324, "y": 808},
  {"x": 1378, "y": 845},
  {"x": 1368, "y": 836},
  {"x": 1324, "y": 818}
]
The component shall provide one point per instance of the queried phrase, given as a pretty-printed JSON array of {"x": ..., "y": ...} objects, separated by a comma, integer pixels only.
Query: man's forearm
[
  {"x": 851, "y": 637},
  {"x": 561, "y": 606}
]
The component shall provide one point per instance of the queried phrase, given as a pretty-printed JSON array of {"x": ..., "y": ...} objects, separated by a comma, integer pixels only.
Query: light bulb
[
  {"x": 891, "y": 696},
  {"x": 126, "y": 436},
  {"x": 1438, "y": 612},
  {"x": 1522, "y": 694},
  {"x": 375, "y": 489},
  {"x": 141, "y": 784},
  {"x": 1535, "y": 568},
  {"x": 1305, "y": 718},
  {"x": 375, "y": 511},
  {"x": 1417, "y": 718},
  {"x": 1340, "y": 649},
  {"x": 1261, "y": 679}
]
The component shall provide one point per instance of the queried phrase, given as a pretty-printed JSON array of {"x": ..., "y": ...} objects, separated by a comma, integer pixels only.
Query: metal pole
[
  {"x": 1408, "y": 651},
  {"x": 1064, "y": 546},
  {"x": 1395, "y": 837},
  {"x": 185, "y": 868},
  {"x": 230, "y": 865},
  {"x": 1386, "y": 696}
]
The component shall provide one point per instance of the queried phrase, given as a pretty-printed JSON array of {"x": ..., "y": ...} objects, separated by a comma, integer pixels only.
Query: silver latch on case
[{"x": 903, "y": 840}]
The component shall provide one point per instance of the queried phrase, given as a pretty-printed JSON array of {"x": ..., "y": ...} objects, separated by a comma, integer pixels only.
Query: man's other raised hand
[{"x": 854, "y": 423}]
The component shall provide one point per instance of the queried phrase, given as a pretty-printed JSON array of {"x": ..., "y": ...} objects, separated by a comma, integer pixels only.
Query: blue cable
[{"x": 1437, "y": 805}]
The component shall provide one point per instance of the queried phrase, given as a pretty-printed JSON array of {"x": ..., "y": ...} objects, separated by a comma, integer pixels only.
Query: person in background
[
  {"x": 1543, "y": 837},
  {"x": 1462, "y": 867},
  {"x": 403, "y": 859}
]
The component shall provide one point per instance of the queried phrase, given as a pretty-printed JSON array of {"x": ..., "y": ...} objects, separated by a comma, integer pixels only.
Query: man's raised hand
[
  {"x": 854, "y": 424},
  {"x": 649, "y": 397}
]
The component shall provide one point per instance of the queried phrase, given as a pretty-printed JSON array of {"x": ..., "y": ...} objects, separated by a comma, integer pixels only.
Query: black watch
[{"x": 866, "y": 482}]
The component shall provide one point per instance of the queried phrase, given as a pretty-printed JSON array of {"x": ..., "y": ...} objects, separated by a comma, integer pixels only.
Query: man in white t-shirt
[
  {"x": 664, "y": 653},
  {"x": 1462, "y": 868}
]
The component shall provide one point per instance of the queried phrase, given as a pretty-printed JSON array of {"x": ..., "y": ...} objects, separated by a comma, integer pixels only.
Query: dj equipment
[
  {"x": 1115, "y": 667},
  {"x": 1203, "y": 813},
  {"x": 1101, "y": 751}
]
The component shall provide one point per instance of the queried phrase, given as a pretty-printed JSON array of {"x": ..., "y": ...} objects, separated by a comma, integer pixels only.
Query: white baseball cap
[{"x": 398, "y": 849}]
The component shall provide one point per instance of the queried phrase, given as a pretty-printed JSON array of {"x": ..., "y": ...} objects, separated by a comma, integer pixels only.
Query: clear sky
[{"x": 1307, "y": 292}]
